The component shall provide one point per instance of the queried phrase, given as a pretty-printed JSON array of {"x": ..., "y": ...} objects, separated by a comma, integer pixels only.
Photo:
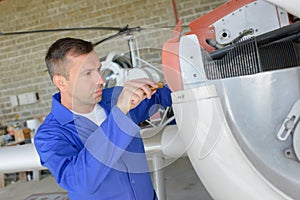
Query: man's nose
[{"x": 100, "y": 79}]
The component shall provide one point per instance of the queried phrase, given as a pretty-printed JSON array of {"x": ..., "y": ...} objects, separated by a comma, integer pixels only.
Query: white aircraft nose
[{"x": 291, "y": 6}]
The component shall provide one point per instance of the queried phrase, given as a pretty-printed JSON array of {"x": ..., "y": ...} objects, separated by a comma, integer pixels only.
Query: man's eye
[{"x": 88, "y": 73}]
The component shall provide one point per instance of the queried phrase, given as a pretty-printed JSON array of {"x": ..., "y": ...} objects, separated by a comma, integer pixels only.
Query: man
[{"x": 90, "y": 140}]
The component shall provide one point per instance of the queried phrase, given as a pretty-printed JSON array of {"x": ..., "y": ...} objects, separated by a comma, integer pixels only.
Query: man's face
[{"x": 85, "y": 84}]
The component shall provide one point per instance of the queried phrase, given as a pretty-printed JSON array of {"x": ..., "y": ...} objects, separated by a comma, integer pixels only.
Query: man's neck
[
  {"x": 82, "y": 109},
  {"x": 72, "y": 105}
]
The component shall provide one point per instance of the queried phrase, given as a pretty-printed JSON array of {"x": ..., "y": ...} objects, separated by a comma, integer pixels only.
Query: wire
[
  {"x": 124, "y": 30},
  {"x": 61, "y": 29}
]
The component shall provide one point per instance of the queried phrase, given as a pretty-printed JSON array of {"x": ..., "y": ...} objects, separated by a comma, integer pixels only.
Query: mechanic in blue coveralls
[{"x": 90, "y": 141}]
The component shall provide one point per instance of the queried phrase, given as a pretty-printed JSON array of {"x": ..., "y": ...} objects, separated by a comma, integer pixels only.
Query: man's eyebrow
[{"x": 85, "y": 69}]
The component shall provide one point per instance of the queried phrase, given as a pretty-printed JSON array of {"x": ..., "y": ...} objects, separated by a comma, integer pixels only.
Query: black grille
[
  {"x": 241, "y": 60},
  {"x": 278, "y": 55}
]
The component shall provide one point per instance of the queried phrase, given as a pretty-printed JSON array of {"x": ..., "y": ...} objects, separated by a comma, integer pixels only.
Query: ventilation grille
[
  {"x": 278, "y": 55},
  {"x": 248, "y": 58}
]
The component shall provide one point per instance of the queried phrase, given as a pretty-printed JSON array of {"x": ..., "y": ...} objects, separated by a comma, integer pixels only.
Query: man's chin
[{"x": 98, "y": 99}]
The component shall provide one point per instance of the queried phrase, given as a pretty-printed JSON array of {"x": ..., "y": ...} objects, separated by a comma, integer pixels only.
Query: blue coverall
[{"x": 95, "y": 163}]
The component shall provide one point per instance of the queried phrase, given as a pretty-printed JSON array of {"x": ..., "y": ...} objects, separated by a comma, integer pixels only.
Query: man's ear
[{"x": 59, "y": 81}]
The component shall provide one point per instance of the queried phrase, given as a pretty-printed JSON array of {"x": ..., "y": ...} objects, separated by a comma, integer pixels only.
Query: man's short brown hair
[{"x": 56, "y": 55}]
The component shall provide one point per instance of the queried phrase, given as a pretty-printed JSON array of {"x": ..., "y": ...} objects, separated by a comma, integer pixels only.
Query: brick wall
[{"x": 22, "y": 67}]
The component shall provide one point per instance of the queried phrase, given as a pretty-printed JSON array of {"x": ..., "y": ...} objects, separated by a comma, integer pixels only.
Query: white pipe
[
  {"x": 19, "y": 158},
  {"x": 171, "y": 144},
  {"x": 159, "y": 177}
]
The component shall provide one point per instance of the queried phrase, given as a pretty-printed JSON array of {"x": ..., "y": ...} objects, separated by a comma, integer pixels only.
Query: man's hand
[{"x": 134, "y": 92}]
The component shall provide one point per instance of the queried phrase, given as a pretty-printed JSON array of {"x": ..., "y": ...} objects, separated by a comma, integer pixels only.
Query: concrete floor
[
  {"x": 19, "y": 191},
  {"x": 181, "y": 183}
]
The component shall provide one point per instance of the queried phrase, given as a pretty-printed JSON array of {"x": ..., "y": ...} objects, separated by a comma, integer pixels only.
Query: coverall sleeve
[
  {"x": 148, "y": 107},
  {"x": 83, "y": 166}
]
